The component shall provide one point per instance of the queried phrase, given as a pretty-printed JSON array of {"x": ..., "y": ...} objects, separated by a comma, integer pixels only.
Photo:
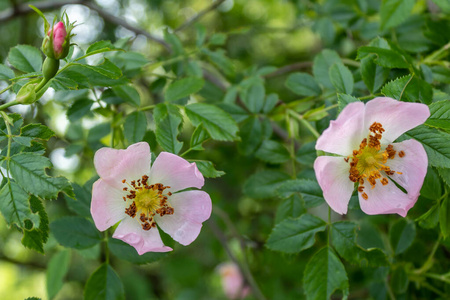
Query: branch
[
  {"x": 289, "y": 69},
  {"x": 200, "y": 15}
]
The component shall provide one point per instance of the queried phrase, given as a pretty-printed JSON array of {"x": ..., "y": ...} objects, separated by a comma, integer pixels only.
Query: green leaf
[
  {"x": 323, "y": 275},
  {"x": 37, "y": 237},
  {"x": 270, "y": 103},
  {"x": 273, "y": 152},
  {"x": 445, "y": 174},
  {"x": 105, "y": 74},
  {"x": 218, "y": 123},
  {"x": 57, "y": 269},
  {"x": 292, "y": 207},
  {"x": 399, "y": 280},
  {"x": 411, "y": 89},
  {"x": 38, "y": 131},
  {"x": 251, "y": 135},
  {"x": 104, "y": 284},
  {"x": 303, "y": 84},
  {"x": 75, "y": 232},
  {"x": 431, "y": 187},
  {"x": 6, "y": 73},
  {"x": 183, "y": 88},
  {"x": 168, "y": 122},
  {"x": 444, "y": 5},
  {"x": 372, "y": 74},
  {"x": 135, "y": 127},
  {"x": 435, "y": 143},
  {"x": 344, "y": 99},
  {"x": 401, "y": 235},
  {"x": 99, "y": 47},
  {"x": 199, "y": 136},
  {"x": 394, "y": 12},
  {"x": 128, "y": 93},
  {"x": 384, "y": 57},
  {"x": 321, "y": 66},
  {"x": 28, "y": 169},
  {"x": 15, "y": 206},
  {"x": 429, "y": 219},
  {"x": 444, "y": 217},
  {"x": 81, "y": 203},
  {"x": 341, "y": 78},
  {"x": 126, "y": 252},
  {"x": 343, "y": 235},
  {"x": 307, "y": 154},
  {"x": 439, "y": 115},
  {"x": 207, "y": 169},
  {"x": 264, "y": 184},
  {"x": 79, "y": 109},
  {"x": 295, "y": 235},
  {"x": 309, "y": 189},
  {"x": 219, "y": 58},
  {"x": 253, "y": 96},
  {"x": 25, "y": 58}
]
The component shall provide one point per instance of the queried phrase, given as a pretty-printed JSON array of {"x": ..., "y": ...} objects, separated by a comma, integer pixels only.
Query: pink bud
[
  {"x": 232, "y": 281},
  {"x": 59, "y": 35}
]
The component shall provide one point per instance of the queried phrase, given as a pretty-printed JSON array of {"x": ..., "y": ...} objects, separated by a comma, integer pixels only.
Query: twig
[
  {"x": 200, "y": 15},
  {"x": 289, "y": 68}
]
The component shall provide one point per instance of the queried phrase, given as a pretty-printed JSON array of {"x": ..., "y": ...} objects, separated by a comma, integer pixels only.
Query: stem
[
  {"x": 438, "y": 277},
  {"x": 351, "y": 62},
  {"x": 6, "y": 105},
  {"x": 429, "y": 262},
  {"x": 106, "y": 247},
  {"x": 304, "y": 122},
  {"x": 149, "y": 107},
  {"x": 436, "y": 55},
  {"x": 6, "y": 88},
  {"x": 329, "y": 226}
]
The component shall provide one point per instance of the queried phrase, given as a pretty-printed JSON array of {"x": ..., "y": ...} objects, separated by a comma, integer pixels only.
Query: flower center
[
  {"x": 369, "y": 161},
  {"x": 148, "y": 201}
]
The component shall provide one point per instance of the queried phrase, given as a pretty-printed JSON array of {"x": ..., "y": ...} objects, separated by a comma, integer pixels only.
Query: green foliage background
[{"x": 243, "y": 89}]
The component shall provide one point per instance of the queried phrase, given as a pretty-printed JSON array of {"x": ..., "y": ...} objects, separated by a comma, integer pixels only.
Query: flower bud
[
  {"x": 56, "y": 43},
  {"x": 27, "y": 94},
  {"x": 50, "y": 67}
]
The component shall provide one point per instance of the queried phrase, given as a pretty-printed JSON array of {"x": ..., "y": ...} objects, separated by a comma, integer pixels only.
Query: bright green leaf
[
  {"x": 439, "y": 115},
  {"x": 183, "y": 88},
  {"x": 25, "y": 58},
  {"x": 199, "y": 136},
  {"x": 128, "y": 93},
  {"x": 394, "y": 12},
  {"x": 341, "y": 78},
  {"x": 387, "y": 58},
  {"x": 6, "y": 73},
  {"x": 344, "y": 99},
  {"x": 35, "y": 238},
  {"x": 253, "y": 96}
]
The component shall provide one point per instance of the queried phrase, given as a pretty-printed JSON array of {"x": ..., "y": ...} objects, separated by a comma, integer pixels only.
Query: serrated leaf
[
  {"x": 128, "y": 94},
  {"x": 251, "y": 132},
  {"x": 295, "y": 235},
  {"x": 207, "y": 169},
  {"x": 429, "y": 219},
  {"x": 37, "y": 237},
  {"x": 444, "y": 217},
  {"x": 28, "y": 169},
  {"x": 99, "y": 47},
  {"x": 75, "y": 232},
  {"x": 253, "y": 96},
  {"x": 344, "y": 99},
  {"x": 183, "y": 88},
  {"x": 104, "y": 284},
  {"x": 25, "y": 58},
  {"x": 439, "y": 115},
  {"x": 401, "y": 235},
  {"x": 6, "y": 73},
  {"x": 303, "y": 84},
  {"x": 15, "y": 206},
  {"x": 341, "y": 78},
  {"x": 431, "y": 187},
  {"x": 135, "y": 127},
  {"x": 372, "y": 74},
  {"x": 435, "y": 143},
  {"x": 236, "y": 112},
  {"x": 38, "y": 131},
  {"x": 445, "y": 174},
  {"x": 270, "y": 103},
  {"x": 167, "y": 129},
  {"x": 321, "y": 66},
  {"x": 199, "y": 136},
  {"x": 57, "y": 269},
  {"x": 291, "y": 207},
  {"x": 310, "y": 190},
  {"x": 81, "y": 203},
  {"x": 387, "y": 58},
  {"x": 264, "y": 184},
  {"x": 126, "y": 252},
  {"x": 343, "y": 235},
  {"x": 273, "y": 152},
  {"x": 105, "y": 74},
  {"x": 218, "y": 123},
  {"x": 394, "y": 12},
  {"x": 79, "y": 109},
  {"x": 324, "y": 274}
]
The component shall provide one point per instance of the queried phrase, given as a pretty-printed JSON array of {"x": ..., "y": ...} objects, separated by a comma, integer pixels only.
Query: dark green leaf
[
  {"x": 341, "y": 78},
  {"x": 25, "y": 58},
  {"x": 399, "y": 280},
  {"x": 199, "y": 136},
  {"x": 384, "y": 57},
  {"x": 303, "y": 84},
  {"x": 168, "y": 122},
  {"x": 75, "y": 232},
  {"x": 323, "y": 275},
  {"x": 273, "y": 152},
  {"x": 126, "y": 252},
  {"x": 444, "y": 217},
  {"x": 37, "y": 237},
  {"x": 104, "y": 284},
  {"x": 394, "y": 12},
  {"x": 79, "y": 109},
  {"x": 344, "y": 99},
  {"x": 373, "y": 75},
  {"x": 264, "y": 184},
  {"x": 270, "y": 103},
  {"x": 38, "y": 131},
  {"x": 128, "y": 94},
  {"x": 135, "y": 127},
  {"x": 57, "y": 269},
  {"x": 321, "y": 66},
  {"x": 253, "y": 96},
  {"x": 207, "y": 169},
  {"x": 251, "y": 135},
  {"x": 429, "y": 219},
  {"x": 29, "y": 171},
  {"x": 292, "y": 207},
  {"x": 218, "y": 123},
  {"x": 183, "y": 88},
  {"x": 309, "y": 189},
  {"x": 295, "y": 235},
  {"x": 344, "y": 241},
  {"x": 439, "y": 115},
  {"x": 81, "y": 203},
  {"x": 401, "y": 235},
  {"x": 431, "y": 187}
]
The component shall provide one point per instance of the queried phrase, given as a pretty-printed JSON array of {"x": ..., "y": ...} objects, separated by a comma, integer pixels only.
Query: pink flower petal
[
  {"x": 176, "y": 172},
  {"x": 191, "y": 208},
  {"x": 346, "y": 132},
  {"x": 59, "y": 35},
  {"x": 332, "y": 174},
  {"x": 107, "y": 206},
  {"x": 413, "y": 166},
  {"x": 396, "y": 117},
  {"x": 386, "y": 199},
  {"x": 114, "y": 165},
  {"x": 131, "y": 232}
]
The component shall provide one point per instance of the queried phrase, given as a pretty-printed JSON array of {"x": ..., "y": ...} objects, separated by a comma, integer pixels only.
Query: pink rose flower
[
  {"x": 140, "y": 197},
  {"x": 363, "y": 136},
  {"x": 59, "y": 36},
  {"x": 232, "y": 281}
]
